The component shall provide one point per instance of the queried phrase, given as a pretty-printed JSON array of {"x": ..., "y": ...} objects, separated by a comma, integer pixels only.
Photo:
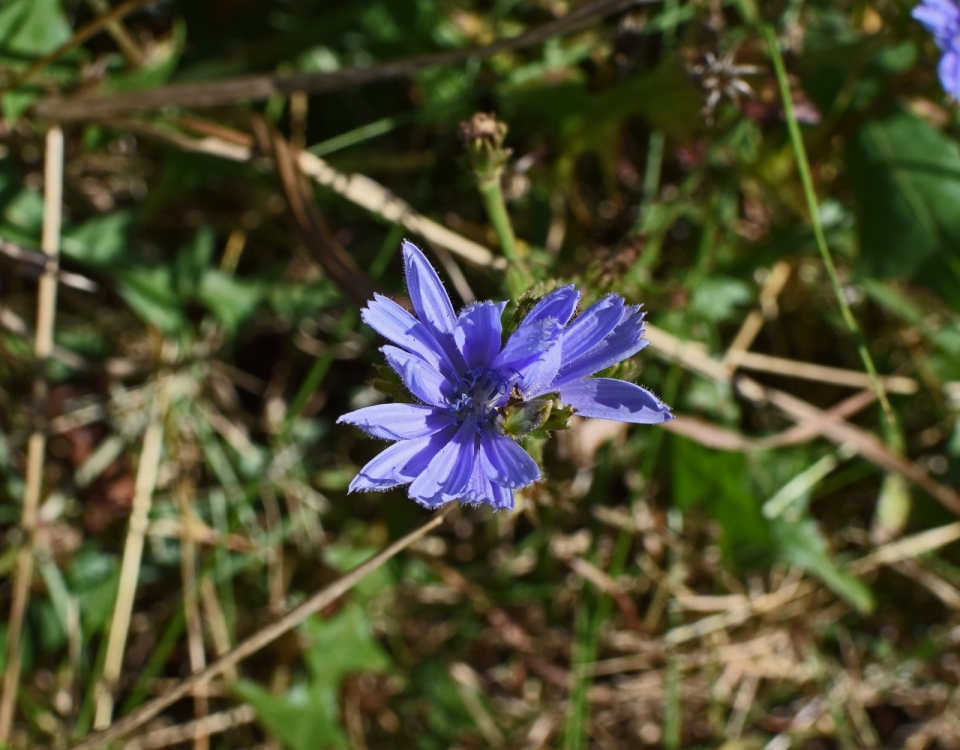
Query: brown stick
[
  {"x": 37, "y": 443},
  {"x": 259, "y": 639},
  {"x": 259, "y": 87}
]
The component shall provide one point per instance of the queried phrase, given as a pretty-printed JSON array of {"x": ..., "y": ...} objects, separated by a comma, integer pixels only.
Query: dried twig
[
  {"x": 260, "y": 87},
  {"x": 356, "y": 188},
  {"x": 260, "y": 639},
  {"x": 132, "y": 554},
  {"x": 39, "y": 260},
  {"x": 212, "y": 724},
  {"x": 774, "y": 284},
  {"x": 36, "y": 444}
]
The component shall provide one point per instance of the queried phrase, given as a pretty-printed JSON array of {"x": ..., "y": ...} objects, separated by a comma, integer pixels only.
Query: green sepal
[
  {"x": 389, "y": 384},
  {"x": 539, "y": 415}
]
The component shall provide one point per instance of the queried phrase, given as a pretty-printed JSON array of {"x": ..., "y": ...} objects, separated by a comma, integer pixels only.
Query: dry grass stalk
[
  {"x": 775, "y": 282},
  {"x": 208, "y": 725},
  {"x": 36, "y": 444},
  {"x": 261, "y": 638},
  {"x": 261, "y": 87},
  {"x": 124, "y": 39},
  {"x": 132, "y": 554},
  {"x": 191, "y": 606}
]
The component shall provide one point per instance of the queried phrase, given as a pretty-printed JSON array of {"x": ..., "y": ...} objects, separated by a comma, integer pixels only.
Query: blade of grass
[{"x": 893, "y": 432}]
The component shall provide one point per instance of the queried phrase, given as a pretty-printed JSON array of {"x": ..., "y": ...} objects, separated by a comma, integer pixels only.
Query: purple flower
[
  {"x": 942, "y": 19},
  {"x": 451, "y": 446}
]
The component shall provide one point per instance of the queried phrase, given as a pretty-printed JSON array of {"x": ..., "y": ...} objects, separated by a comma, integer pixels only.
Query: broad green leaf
[
  {"x": 906, "y": 175},
  {"x": 32, "y": 28},
  {"x": 343, "y": 644},
  {"x": 100, "y": 241},
  {"x": 151, "y": 293},
  {"x": 801, "y": 543},
  {"x": 232, "y": 300},
  {"x": 303, "y": 719},
  {"x": 193, "y": 260},
  {"x": 308, "y": 716},
  {"x": 25, "y": 212},
  {"x": 717, "y": 298},
  {"x": 720, "y": 484}
]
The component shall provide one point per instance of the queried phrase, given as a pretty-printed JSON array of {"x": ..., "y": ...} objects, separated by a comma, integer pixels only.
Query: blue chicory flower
[
  {"x": 942, "y": 19},
  {"x": 451, "y": 445}
]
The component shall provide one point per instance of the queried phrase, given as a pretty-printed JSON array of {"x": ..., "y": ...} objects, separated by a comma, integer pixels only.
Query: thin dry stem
[
  {"x": 191, "y": 607},
  {"x": 260, "y": 87},
  {"x": 36, "y": 444},
  {"x": 212, "y": 724},
  {"x": 261, "y": 638},
  {"x": 132, "y": 554},
  {"x": 774, "y": 284},
  {"x": 124, "y": 39}
]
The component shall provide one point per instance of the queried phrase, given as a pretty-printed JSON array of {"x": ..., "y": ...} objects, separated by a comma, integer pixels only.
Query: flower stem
[
  {"x": 893, "y": 432},
  {"x": 518, "y": 275}
]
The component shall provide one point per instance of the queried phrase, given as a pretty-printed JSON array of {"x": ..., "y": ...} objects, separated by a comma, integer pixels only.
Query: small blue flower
[
  {"x": 942, "y": 19},
  {"x": 451, "y": 445}
]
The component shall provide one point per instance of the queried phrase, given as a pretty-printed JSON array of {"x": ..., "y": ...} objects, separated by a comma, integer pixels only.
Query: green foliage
[
  {"x": 907, "y": 177},
  {"x": 308, "y": 716}
]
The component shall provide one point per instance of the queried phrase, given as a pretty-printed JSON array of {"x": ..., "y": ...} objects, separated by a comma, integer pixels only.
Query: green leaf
[
  {"x": 100, "y": 241},
  {"x": 232, "y": 300},
  {"x": 343, "y": 644},
  {"x": 801, "y": 543},
  {"x": 193, "y": 260},
  {"x": 906, "y": 175},
  {"x": 25, "y": 212},
  {"x": 32, "y": 28},
  {"x": 151, "y": 294},
  {"x": 303, "y": 719},
  {"x": 308, "y": 716},
  {"x": 720, "y": 483},
  {"x": 716, "y": 298}
]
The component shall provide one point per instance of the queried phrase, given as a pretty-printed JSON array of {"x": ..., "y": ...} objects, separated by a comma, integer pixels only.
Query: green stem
[
  {"x": 894, "y": 435},
  {"x": 518, "y": 275}
]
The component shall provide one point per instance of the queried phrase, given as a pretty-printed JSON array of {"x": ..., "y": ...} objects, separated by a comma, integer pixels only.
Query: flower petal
[
  {"x": 481, "y": 490},
  {"x": 478, "y": 333},
  {"x": 427, "y": 294},
  {"x": 401, "y": 463},
  {"x": 607, "y": 398},
  {"x": 420, "y": 378},
  {"x": 528, "y": 343},
  {"x": 392, "y": 322},
  {"x": 625, "y": 341},
  {"x": 538, "y": 376},
  {"x": 559, "y": 304},
  {"x": 592, "y": 326},
  {"x": 949, "y": 73},
  {"x": 448, "y": 472},
  {"x": 506, "y": 463},
  {"x": 941, "y": 18},
  {"x": 398, "y": 421}
]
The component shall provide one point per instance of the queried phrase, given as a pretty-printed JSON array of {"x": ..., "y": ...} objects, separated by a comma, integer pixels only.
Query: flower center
[{"x": 477, "y": 395}]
